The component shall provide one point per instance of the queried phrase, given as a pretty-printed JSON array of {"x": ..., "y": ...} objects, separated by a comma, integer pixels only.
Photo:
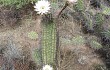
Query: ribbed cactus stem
[{"x": 49, "y": 43}]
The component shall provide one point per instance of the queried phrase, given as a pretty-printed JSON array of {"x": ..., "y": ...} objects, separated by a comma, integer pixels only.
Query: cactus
[
  {"x": 94, "y": 43},
  {"x": 49, "y": 43},
  {"x": 106, "y": 10},
  {"x": 32, "y": 35},
  {"x": 106, "y": 34},
  {"x": 80, "y": 5},
  {"x": 99, "y": 19}
]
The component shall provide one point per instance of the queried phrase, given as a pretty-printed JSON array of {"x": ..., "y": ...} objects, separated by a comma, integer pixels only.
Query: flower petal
[{"x": 42, "y": 7}]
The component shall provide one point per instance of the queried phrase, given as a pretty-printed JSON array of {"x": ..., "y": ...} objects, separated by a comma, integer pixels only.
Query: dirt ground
[
  {"x": 71, "y": 56},
  {"x": 76, "y": 55},
  {"x": 24, "y": 45}
]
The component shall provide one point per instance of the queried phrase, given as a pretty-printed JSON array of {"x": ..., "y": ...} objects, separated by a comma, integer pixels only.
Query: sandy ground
[
  {"x": 19, "y": 36},
  {"x": 75, "y": 56},
  {"x": 72, "y": 57}
]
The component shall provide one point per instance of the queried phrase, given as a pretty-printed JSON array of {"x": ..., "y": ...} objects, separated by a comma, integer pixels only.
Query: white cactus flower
[
  {"x": 42, "y": 7},
  {"x": 47, "y": 67},
  {"x": 72, "y": 1}
]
